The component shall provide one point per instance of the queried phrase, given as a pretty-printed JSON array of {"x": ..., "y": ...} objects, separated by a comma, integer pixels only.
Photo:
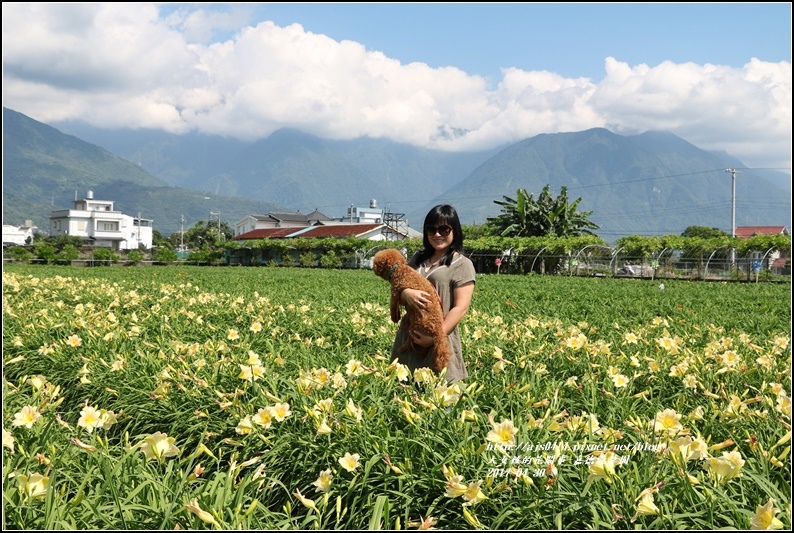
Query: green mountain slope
[
  {"x": 44, "y": 170},
  {"x": 293, "y": 168},
  {"x": 654, "y": 183},
  {"x": 650, "y": 184}
]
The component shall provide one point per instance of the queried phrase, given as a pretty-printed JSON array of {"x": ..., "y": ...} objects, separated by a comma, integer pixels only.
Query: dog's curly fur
[{"x": 390, "y": 265}]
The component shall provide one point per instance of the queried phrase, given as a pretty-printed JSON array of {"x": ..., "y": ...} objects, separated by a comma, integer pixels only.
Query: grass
[{"x": 208, "y": 356}]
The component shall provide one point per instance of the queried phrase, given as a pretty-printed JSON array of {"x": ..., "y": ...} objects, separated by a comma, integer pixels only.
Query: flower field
[{"x": 265, "y": 398}]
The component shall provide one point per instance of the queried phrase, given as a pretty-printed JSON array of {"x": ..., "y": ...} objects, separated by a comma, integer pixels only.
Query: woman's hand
[
  {"x": 420, "y": 339},
  {"x": 415, "y": 299}
]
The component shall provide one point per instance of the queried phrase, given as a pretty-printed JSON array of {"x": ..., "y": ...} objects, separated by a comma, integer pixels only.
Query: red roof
[
  {"x": 317, "y": 232},
  {"x": 339, "y": 230},
  {"x": 267, "y": 233},
  {"x": 745, "y": 232}
]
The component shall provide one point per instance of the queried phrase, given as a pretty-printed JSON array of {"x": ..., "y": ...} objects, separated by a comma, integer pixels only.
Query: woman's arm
[{"x": 462, "y": 295}]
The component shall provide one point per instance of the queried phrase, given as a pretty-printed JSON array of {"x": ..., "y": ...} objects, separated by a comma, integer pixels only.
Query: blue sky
[
  {"x": 444, "y": 76},
  {"x": 572, "y": 39}
]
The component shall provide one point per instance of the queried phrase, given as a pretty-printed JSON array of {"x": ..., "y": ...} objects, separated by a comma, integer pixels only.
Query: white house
[
  {"x": 19, "y": 235},
  {"x": 99, "y": 224},
  {"x": 365, "y": 215}
]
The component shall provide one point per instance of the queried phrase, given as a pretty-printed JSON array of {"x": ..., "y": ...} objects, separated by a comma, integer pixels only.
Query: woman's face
[{"x": 440, "y": 236}]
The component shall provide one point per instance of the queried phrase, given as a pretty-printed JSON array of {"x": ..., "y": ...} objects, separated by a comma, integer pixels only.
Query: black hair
[{"x": 439, "y": 215}]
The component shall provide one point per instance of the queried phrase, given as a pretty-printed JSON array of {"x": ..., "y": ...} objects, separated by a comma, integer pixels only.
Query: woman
[{"x": 442, "y": 262}]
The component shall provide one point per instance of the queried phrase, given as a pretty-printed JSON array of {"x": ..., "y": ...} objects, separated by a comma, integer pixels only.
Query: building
[
  {"x": 745, "y": 232},
  {"x": 391, "y": 226},
  {"x": 99, "y": 224},
  {"x": 776, "y": 261},
  {"x": 278, "y": 220},
  {"x": 325, "y": 230},
  {"x": 360, "y": 215},
  {"x": 248, "y": 255},
  {"x": 18, "y": 235}
]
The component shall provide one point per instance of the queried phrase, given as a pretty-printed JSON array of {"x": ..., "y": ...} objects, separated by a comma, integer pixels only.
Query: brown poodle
[{"x": 390, "y": 265}]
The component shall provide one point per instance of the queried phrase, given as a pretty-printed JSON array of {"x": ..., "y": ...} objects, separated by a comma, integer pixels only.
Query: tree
[
  {"x": 105, "y": 254},
  {"x": 703, "y": 231},
  {"x": 68, "y": 254},
  {"x": 18, "y": 253},
  {"x": 136, "y": 256},
  {"x": 165, "y": 254},
  {"x": 205, "y": 234},
  {"x": 45, "y": 251},
  {"x": 159, "y": 240},
  {"x": 523, "y": 216},
  {"x": 61, "y": 241},
  {"x": 477, "y": 231},
  {"x": 519, "y": 216}
]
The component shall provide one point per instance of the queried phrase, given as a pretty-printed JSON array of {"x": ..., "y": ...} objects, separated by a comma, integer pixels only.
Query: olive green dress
[{"x": 445, "y": 279}]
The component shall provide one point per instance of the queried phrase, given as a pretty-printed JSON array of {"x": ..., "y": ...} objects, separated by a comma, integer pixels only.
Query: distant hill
[
  {"x": 653, "y": 183},
  {"x": 44, "y": 170},
  {"x": 649, "y": 184},
  {"x": 293, "y": 168}
]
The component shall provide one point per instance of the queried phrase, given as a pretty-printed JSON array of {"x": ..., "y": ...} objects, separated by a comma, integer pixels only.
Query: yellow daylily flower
[
  {"x": 726, "y": 467},
  {"x": 83, "y": 446},
  {"x": 668, "y": 422},
  {"x": 455, "y": 487},
  {"x": 603, "y": 467},
  {"x": 27, "y": 416},
  {"x": 323, "y": 482},
  {"x": 244, "y": 426},
  {"x": 37, "y": 382},
  {"x": 324, "y": 428},
  {"x": 159, "y": 446},
  {"x": 350, "y": 462},
  {"x": 8, "y": 440},
  {"x": 280, "y": 411},
  {"x": 764, "y": 517},
  {"x": 90, "y": 418},
  {"x": 308, "y": 502},
  {"x": 646, "y": 506},
  {"x": 473, "y": 495},
  {"x": 34, "y": 486},
  {"x": 502, "y": 433},
  {"x": 206, "y": 517}
]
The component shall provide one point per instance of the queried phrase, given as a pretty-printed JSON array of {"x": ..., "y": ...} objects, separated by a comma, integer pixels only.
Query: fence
[
  {"x": 605, "y": 263},
  {"x": 590, "y": 261}
]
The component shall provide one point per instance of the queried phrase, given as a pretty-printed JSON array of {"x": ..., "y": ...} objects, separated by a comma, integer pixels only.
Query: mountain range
[{"x": 649, "y": 184}]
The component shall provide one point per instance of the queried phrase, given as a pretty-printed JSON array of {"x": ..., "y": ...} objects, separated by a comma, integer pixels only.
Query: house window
[
  {"x": 81, "y": 225},
  {"x": 108, "y": 226}
]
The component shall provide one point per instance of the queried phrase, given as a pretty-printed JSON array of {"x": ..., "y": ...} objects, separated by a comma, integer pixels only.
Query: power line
[{"x": 574, "y": 187}]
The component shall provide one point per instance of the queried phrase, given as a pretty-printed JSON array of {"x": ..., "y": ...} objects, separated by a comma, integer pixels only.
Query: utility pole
[
  {"x": 181, "y": 233},
  {"x": 219, "y": 222},
  {"x": 732, "y": 172}
]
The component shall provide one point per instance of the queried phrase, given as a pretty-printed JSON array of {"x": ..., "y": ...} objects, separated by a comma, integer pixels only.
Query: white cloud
[{"x": 125, "y": 65}]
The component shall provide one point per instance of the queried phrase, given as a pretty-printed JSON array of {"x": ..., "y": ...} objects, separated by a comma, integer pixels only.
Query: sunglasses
[{"x": 443, "y": 230}]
